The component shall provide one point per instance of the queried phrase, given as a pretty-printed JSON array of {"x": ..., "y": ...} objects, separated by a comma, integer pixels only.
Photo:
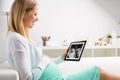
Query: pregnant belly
[{"x": 51, "y": 72}]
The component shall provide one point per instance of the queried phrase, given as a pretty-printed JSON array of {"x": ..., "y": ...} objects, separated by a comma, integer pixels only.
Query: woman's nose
[{"x": 37, "y": 19}]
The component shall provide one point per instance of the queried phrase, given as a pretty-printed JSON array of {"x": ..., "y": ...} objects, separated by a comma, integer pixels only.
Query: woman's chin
[{"x": 31, "y": 26}]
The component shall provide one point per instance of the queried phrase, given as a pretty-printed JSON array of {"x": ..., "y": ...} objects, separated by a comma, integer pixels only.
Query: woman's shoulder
[{"x": 14, "y": 36}]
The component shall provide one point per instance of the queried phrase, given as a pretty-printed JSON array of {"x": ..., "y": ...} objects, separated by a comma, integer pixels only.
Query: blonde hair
[{"x": 18, "y": 9}]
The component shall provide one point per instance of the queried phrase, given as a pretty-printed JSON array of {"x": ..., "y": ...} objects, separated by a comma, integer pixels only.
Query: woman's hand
[
  {"x": 44, "y": 61},
  {"x": 64, "y": 54}
]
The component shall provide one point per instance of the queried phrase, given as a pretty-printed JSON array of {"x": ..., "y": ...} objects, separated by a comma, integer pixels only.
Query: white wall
[
  {"x": 4, "y": 7},
  {"x": 3, "y": 33},
  {"x": 68, "y": 19},
  {"x": 0, "y": 5},
  {"x": 74, "y": 20},
  {"x": 111, "y": 6}
]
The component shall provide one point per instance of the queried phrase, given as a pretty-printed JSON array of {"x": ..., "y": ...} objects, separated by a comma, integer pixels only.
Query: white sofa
[
  {"x": 7, "y": 72},
  {"x": 109, "y": 64}
]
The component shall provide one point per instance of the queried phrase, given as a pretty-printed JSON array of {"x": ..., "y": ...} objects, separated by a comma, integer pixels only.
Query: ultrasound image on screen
[{"x": 75, "y": 50}]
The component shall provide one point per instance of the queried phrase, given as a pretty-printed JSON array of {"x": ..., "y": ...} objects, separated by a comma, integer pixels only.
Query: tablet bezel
[{"x": 78, "y": 44}]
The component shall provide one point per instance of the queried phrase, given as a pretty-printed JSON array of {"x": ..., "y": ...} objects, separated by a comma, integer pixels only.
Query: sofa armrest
[{"x": 7, "y": 72}]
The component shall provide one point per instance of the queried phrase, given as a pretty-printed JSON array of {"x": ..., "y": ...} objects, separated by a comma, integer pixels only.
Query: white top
[{"x": 25, "y": 56}]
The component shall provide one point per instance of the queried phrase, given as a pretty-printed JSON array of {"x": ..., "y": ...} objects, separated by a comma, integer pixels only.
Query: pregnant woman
[{"x": 27, "y": 58}]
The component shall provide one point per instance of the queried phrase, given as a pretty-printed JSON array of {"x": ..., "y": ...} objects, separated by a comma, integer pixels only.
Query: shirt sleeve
[
  {"x": 36, "y": 73},
  {"x": 21, "y": 62},
  {"x": 57, "y": 60}
]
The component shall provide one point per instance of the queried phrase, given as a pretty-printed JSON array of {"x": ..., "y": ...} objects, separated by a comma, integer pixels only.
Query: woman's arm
[
  {"x": 22, "y": 62},
  {"x": 60, "y": 58}
]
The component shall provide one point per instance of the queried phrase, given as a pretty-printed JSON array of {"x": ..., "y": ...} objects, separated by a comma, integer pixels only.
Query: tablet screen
[{"x": 75, "y": 50}]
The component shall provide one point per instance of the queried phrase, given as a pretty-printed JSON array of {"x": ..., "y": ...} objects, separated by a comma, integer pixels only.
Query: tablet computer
[{"x": 75, "y": 50}]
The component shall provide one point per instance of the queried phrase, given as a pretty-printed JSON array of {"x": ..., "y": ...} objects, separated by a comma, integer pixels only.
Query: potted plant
[
  {"x": 109, "y": 35},
  {"x": 45, "y": 39},
  {"x": 109, "y": 38}
]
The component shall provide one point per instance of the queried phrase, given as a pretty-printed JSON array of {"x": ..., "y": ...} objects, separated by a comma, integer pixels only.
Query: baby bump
[{"x": 51, "y": 72}]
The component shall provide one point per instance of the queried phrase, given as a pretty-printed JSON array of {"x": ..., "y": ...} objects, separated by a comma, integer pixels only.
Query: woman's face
[{"x": 30, "y": 18}]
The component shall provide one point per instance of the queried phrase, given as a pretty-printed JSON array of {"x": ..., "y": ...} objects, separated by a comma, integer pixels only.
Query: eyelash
[{"x": 35, "y": 14}]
